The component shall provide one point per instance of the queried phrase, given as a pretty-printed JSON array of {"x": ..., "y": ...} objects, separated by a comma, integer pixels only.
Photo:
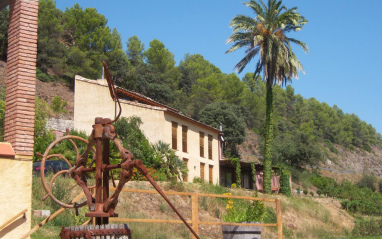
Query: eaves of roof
[{"x": 144, "y": 101}]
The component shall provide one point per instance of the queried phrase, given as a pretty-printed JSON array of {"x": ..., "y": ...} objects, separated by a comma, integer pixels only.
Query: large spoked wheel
[{"x": 59, "y": 158}]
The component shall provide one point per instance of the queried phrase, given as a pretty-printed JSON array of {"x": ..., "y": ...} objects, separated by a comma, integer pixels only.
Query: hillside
[
  {"x": 303, "y": 217},
  {"x": 47, "y": 90},
  {"x": 338, "y": 165}
]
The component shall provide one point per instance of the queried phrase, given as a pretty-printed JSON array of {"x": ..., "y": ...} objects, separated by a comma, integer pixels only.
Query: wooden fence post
[
  {"x": 195, "y": 212},
  {"x": 279, "y": 219}
]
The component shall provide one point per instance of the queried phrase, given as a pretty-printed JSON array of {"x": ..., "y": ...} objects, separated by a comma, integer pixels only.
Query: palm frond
[
  {"x": 265, "y": 35},
  {"x": 248, "y": 57}
]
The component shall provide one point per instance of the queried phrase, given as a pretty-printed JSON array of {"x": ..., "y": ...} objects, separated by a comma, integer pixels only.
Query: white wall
[{"x": 93, "y": 100}]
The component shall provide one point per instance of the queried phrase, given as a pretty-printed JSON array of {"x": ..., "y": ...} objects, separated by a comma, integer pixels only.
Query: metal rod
[
  {"x": 106, "y": 160},
  {"x": 98, "y": 175}
]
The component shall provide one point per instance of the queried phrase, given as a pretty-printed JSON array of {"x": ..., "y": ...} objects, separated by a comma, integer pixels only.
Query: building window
[
  {"x": 210, "y": 146},
  {"x": 184, "y": 138},
  {"x": 226, "y": 177},
  {"x": 211, "y": 177},
  {"x": 174, "y": 135},
  {"x": 201, "y": 143},
  {"x": 185, "y": 175},
  {"x": 202, "y": 171}
]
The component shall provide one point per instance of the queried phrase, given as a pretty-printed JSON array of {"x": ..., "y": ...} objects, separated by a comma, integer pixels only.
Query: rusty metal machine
[{"x": 93, "y": 156}]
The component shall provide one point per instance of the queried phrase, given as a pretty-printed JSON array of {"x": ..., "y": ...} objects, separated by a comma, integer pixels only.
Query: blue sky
[{"x": 344, "y": 38}]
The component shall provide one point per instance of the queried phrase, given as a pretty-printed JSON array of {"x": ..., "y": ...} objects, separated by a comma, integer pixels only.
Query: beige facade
[
  {"x": 92, "y": 99},
  {"x": 15, "y": 194}
]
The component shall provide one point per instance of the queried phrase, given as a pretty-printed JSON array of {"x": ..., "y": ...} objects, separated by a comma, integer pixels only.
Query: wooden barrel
[{"x": 241, "y": 232}]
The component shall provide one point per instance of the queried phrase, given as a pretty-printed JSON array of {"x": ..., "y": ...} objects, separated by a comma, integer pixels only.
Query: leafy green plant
[
  {"x": 43, "y": 77},
  {"x": 244, "y": 211},
  {"x": 236, "y": 163},
  {"x": 330, "y": 146},
  {"x": 305, "y": 191},
  {"x": 368, "y": 227},
  {"x": 170, "y": 163},
  {"x": 58, "y": 105},
  {"x": 161, "y": 207},
  {"x": 368, "y": 181},
  {"x": 217, "y": 212},
  {"x": 284, "y": 182}
]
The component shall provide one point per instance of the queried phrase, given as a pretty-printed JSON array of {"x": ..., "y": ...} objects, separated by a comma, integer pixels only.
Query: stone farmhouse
[{"x": 196, "y": 143}]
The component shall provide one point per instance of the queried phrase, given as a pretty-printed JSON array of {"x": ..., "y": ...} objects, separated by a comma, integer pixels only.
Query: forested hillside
[{"x": 77, "y": 40}]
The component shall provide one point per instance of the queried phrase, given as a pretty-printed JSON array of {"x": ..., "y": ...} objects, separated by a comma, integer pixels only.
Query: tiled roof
[{"x": 6, "y": 150}]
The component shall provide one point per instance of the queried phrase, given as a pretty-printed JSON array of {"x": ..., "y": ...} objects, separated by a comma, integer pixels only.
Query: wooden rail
[
  {"x": 194, "y": 207},
  {"x": 4, "y": 225},
  {"x": 195, "y": 210}
]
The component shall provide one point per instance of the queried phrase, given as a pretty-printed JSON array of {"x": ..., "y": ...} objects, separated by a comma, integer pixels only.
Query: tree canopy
[{"x": 75, "y": 41}]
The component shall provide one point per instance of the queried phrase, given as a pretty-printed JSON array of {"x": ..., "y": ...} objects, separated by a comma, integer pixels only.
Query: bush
[
  {"x": 368, "y": 181},
  {"x": 284, "y": 183},
  {"x": 368, "y": 227},
  {"x": 43, "y": 77},
  {"x": 380, "y": 186},
  {"x": 239, "y": 210},
  {"x": 330, "y": 146},
  {"x": 58, "y": 105}
]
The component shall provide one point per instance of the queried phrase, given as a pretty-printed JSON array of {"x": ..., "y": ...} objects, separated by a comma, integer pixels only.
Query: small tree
[
  {"x": 232, "y": 121},
  {"x": 236, "y": 163},
  {"x": 58, "y": 105},
  {"x": 284, "y": 182},
  {"x": 170, "y": 163},
  {"x": 368, "y": 181},
  {"x": 134, "y": 140}
]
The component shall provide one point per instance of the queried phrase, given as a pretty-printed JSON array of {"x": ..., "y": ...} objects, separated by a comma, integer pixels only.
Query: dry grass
[{"x": 303, "y": 217}]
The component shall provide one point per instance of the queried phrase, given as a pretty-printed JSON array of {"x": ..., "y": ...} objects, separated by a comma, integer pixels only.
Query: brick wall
[{"x": 21, "y": 76}]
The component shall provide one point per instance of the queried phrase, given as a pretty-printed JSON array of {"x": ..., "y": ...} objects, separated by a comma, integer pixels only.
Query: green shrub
[
  {"x": 270, "y": 215},
  {"x": 43, "y": 77},
  {"x": 380, "y": 186},
  {"x": 239, "y": 210},
  {"x": 368, "y": 181},
  {"x": 284, "y": 183},
  {"x": 198, "y": 180},
  {"x": 330, "y": 146},
  {"x": 305, "y": 192},
  {"x": 368, "y": 227},
  {"x": 58, "y": 105}
]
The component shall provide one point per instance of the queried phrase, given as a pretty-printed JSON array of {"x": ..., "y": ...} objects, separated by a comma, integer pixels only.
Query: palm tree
[
  {"x": 170, "y": 163},
  {"x": 265, "y": 36}
]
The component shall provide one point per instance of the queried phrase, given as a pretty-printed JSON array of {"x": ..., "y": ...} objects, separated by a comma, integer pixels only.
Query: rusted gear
[{"x": 72, "y": 171}]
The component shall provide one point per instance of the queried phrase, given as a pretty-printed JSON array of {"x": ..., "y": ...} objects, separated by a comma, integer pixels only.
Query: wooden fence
[
  {"x": 194, "y": 207},
  {"x": 5, "y": 224},
  {"x": 195, "y": 210}
]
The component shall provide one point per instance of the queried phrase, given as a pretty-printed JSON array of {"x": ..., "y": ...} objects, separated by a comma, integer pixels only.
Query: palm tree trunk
[{"x": 268, "y": 141}]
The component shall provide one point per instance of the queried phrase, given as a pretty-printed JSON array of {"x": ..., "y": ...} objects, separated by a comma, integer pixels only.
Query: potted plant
[{"x": 243, "y": 211}]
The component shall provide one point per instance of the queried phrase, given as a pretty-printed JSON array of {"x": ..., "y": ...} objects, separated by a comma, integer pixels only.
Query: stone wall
[{"x": 59, "y": 124}]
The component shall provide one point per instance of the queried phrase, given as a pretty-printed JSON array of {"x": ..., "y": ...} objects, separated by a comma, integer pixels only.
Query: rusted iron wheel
[{"x": 76, "y": 144}]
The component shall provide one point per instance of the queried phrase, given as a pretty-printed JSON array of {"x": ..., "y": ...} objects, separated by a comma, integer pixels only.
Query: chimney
[{"x": 21, "y": 76}]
